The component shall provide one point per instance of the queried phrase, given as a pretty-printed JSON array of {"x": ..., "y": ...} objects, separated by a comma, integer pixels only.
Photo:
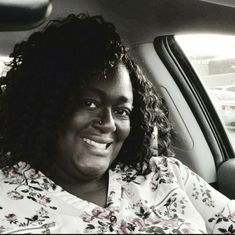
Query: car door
[{"x": 207, "y": 112}]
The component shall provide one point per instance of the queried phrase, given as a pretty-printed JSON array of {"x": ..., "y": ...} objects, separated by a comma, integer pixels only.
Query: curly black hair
[{"x": 44, "y": 73}]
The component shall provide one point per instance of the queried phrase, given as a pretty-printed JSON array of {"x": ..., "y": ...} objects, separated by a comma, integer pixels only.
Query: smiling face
[{"x": 94, "y": 135}]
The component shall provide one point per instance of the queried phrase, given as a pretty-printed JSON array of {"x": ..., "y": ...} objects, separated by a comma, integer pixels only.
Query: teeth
[{"x": 94, "y": 144}]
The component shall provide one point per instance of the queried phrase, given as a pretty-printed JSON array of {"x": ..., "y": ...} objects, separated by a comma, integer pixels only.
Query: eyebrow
[{"x": 121, "y": 99}]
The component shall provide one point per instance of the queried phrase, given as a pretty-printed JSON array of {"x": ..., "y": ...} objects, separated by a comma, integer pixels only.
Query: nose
[{"x": 106, "y": 122}]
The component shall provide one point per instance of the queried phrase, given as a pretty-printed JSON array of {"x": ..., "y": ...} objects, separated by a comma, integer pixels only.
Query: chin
[{"x": 94, "y": 170}]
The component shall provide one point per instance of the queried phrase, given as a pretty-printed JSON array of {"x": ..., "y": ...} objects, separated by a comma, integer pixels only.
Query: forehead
[{"x": 116, "y": 84}]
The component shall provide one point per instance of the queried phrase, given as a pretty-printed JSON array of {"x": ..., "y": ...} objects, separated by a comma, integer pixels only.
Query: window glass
[
  {"x": 213, "y": 59},
  {"x": 3, "y": 64},
  {"x": 4, "y": 60}
]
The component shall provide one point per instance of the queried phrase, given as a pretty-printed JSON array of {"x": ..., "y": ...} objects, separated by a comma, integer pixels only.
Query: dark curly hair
[{"x": 44, "y": 73}]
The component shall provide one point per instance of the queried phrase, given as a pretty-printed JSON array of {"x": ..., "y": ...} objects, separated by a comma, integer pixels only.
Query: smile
[{"x": 95, "y": 144}]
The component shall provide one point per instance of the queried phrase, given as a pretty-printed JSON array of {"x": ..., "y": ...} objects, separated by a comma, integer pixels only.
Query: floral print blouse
[{"x": 170, "y": 199}]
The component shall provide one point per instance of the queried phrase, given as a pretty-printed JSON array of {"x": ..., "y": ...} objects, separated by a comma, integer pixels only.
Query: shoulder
[
  {"x": 173, "y": 169},
  {"x": 167, "y": 174},
  {"x": 163, "y": 169},
  {"x": 156, "y": 164},
  {"x": 161, "y": 163},
  {"x": 14, "y": 172},
  {"x": 22, "y": 175}
]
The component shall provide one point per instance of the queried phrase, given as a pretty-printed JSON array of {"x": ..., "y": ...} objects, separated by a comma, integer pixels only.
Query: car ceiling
[{"x": 140, "y": 21}]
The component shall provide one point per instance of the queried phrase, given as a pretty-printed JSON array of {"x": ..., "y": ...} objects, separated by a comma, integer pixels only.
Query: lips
[{"x": 95, "y": 144}]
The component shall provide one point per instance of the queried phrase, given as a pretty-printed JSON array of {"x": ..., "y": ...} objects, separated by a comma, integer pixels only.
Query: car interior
[{"x": 148, "y": 28}]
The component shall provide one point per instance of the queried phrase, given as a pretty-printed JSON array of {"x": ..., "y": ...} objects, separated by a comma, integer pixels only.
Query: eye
[
  {"x": 91, "y": 104},
  {"x": 122, "y": 112}
]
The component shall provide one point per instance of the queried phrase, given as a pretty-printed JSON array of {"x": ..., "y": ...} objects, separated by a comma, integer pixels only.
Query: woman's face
[{"x": 94, "y": 135}]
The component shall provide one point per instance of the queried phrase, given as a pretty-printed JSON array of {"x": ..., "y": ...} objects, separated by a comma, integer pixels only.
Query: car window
[{"x": 213, "y": 59}]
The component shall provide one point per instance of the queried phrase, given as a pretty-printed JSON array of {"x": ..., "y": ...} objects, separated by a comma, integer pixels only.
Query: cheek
[
  {"x": 78, "y": 121},
  {"x": 124, "y": 131}
]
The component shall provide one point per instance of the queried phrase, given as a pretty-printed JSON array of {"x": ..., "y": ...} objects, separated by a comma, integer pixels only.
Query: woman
[{"x": 78, "y": 121}]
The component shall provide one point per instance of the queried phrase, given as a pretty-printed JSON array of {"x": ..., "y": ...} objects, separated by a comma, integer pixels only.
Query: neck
[{"x": 92, "y": 190}]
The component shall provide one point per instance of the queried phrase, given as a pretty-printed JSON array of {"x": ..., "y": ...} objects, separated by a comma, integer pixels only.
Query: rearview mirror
[{"x": 18, "y": 15}]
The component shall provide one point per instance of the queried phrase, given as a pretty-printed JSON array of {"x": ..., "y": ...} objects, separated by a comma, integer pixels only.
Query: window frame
[{"x": 195, "y": 94}]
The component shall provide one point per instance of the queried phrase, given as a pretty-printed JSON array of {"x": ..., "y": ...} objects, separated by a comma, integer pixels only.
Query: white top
[{"x": 171, "y": 199}]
